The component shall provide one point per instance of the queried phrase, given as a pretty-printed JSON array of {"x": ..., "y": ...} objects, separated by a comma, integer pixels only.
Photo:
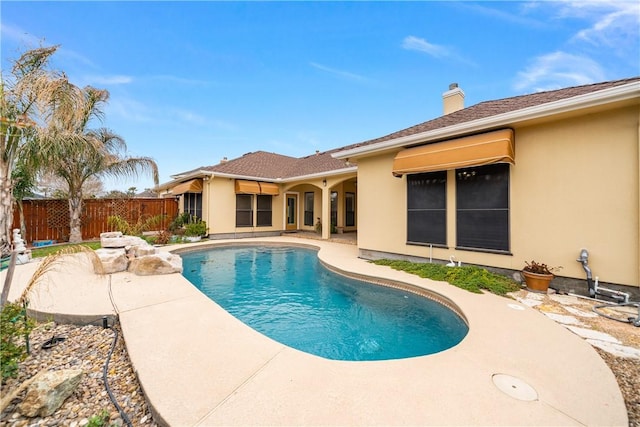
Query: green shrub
[
  {"x": 471, "y": 278},
  {"x": 99, "y": 420},
  {"x": 195, "y": 228},
  {"x": 15, "y": 328},
  {"x": 179, "y": 222}
]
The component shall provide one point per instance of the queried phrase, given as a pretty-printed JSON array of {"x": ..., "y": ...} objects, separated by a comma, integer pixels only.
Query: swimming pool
[{"x": 288, "y": 295}]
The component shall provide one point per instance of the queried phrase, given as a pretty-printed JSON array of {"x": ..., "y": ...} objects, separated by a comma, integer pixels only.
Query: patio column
[{"x": 326, "y": 212}]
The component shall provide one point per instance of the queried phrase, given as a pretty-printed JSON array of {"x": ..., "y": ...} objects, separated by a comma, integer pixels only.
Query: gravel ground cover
[
  {"x": 84, "y": 348},
  {"x": 87, "y": 347}
]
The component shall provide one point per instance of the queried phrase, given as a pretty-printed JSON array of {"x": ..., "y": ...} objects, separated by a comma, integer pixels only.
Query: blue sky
[{"x": 193, "y": 82}]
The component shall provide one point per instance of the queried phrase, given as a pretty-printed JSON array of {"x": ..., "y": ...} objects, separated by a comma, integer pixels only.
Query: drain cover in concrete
[{"x": 514, "y": 387}]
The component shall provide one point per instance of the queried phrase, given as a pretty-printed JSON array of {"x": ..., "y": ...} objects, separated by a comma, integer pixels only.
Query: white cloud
[
  {"x": 556, "y": 70},
  {"x": 339, "y": 73},
  {"x": 188, "y": 117},
  {"x": 108, "y": 80},
  {"x": 614, "y": 24},
  {"x": 71, "y": 56},
  {"x": 25, "y": 41},
  {"x": 520, "y": 16},
  {"x": 604, "y": 26},
  {"x": 20, "y": 36},
  {"x": 126, "y": 108},
  {"x": 437, "y": 51},
  {"x": 179, "y": 80},
  {"x": 421, "y": 45}
]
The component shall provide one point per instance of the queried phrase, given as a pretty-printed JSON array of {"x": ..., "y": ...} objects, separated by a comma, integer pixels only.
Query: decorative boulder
[
  {"x": 142, "y": 250},
  {"x": 115, "y": 239},
  {"x": 160, "y": 263},
  {"x": 112, "y": 260},
  {"x": 46, "y": 394}
]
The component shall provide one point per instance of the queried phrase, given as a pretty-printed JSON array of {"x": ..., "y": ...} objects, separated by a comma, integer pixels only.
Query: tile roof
[
  {"x": 495, "y": 107},
  {"x": 261, "y": 164},
  {"x": 272, "y": 166}
]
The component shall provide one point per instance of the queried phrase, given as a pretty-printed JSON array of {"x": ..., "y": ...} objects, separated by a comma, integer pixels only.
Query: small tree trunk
[
  {"x": 6, "y": 209},
  {"x": 23, "y": 224},
  {"x": 75, "y": 223}
]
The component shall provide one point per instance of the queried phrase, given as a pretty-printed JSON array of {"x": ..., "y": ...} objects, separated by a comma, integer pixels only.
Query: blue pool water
[{"x": 288, "y": 295}]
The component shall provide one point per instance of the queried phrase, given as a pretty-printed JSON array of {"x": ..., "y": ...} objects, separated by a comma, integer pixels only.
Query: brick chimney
[{"x": 453, "y": 99}]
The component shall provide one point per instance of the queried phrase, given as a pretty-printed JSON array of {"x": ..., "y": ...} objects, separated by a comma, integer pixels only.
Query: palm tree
[
  {"x": 68, "y": 148},
  {"x": 21, "y": 93}
]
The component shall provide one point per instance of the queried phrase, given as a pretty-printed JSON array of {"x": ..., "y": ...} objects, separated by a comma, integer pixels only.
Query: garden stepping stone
[
  {"x": 593, "y": 335},
  {"x": 580, "y": 313},
  {"x": 563, "y": 319},
  {"x": 616, "y": 349}
]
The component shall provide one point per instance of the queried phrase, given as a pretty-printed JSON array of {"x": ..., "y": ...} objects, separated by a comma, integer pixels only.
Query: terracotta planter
[{"x": 537, "y": 282}]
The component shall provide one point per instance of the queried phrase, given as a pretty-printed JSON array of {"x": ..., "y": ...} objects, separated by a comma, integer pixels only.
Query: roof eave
[
  {"x": 178, "y": 178},
  {"x": 335, "y": 172},
  {"x": 247, "y": 177},
  {"x": 594, "y": 99}
]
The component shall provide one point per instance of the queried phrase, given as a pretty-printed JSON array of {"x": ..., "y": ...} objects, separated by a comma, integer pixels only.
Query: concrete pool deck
[{"x": 199, "y": 366}]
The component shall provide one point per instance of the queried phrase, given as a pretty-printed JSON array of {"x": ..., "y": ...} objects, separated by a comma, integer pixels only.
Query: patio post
[{"x": 326, "y": 212}]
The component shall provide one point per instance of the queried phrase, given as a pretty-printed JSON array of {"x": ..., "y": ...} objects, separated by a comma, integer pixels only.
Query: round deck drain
[{"x": 514, "y": 387}]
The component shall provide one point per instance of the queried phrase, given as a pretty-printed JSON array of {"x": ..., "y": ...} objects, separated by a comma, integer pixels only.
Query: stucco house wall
[
  {"x": 219, "y": 210},
  {"x": 574, "y": 185}
]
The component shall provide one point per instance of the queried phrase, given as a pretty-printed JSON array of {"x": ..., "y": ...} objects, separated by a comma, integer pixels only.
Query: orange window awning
[
  {"x": 255, "y": 187},
  {"x": 269, "y": 188},
  {"x": 193, "y": 186},
  {"x": 476, "y": 150}
]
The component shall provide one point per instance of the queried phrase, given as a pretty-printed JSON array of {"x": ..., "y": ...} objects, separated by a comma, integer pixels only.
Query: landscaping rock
[
  {"x": 48, "y": 393},
  {"x": 112, "y": 260},
  {"x": 160, "y": 263},
  {"x": 115, "y": 239},
  {"x": 142, "y": 250}
]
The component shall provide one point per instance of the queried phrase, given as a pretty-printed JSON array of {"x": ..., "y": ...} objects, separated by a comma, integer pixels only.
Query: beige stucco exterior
[
  {"x": 219, "y": 205},
  {"x": 575, "y": 184}
]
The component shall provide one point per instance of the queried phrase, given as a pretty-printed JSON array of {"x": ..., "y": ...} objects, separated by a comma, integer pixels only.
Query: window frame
[
  {"x": 483, "y": 212},
  {"x": 192, "y": 204},
  {"x": 309, "y": 200},
  {"x": 244, "y": 210},
  {"x": 349, "y": 214},
  {"x": 427, "y": 200},
  {"x": 261, "y": 212}
]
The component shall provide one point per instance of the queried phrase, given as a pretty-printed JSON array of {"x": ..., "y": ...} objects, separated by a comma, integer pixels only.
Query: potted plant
[
  {"x": 194, "y": 230},
  {"x": 537, "y": 276}
]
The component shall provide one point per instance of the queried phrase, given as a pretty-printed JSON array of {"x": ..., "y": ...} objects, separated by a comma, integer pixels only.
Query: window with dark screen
[
  {"x": 482, "y": 207},
  {"x": 244, "y": 210},
  {"x": 427, "y": 208}
]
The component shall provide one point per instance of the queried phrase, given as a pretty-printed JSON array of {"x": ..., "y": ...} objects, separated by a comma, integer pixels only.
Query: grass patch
[
  {"x": 473, "y": 279},
  {"x": 44, "y": 251}
]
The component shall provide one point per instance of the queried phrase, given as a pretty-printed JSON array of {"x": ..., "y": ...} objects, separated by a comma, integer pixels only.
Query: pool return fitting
[{"x": 620, "y": 298}]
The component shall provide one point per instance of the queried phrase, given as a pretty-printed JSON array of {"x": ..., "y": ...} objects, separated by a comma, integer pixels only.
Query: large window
[
  {"x": 264, "y": 211},
  {"x": 482, "y": 207},
  {"x": 308, "y": 208},
  {"x": 244, "y": 210},
  {"x": 192, "y": 204},
  {"x": 349, "y": 209},
  {"x": 427, "y": 208}
]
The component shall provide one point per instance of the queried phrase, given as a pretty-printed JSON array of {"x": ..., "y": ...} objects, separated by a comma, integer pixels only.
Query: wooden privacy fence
[{"x": 49, "y": 219}]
